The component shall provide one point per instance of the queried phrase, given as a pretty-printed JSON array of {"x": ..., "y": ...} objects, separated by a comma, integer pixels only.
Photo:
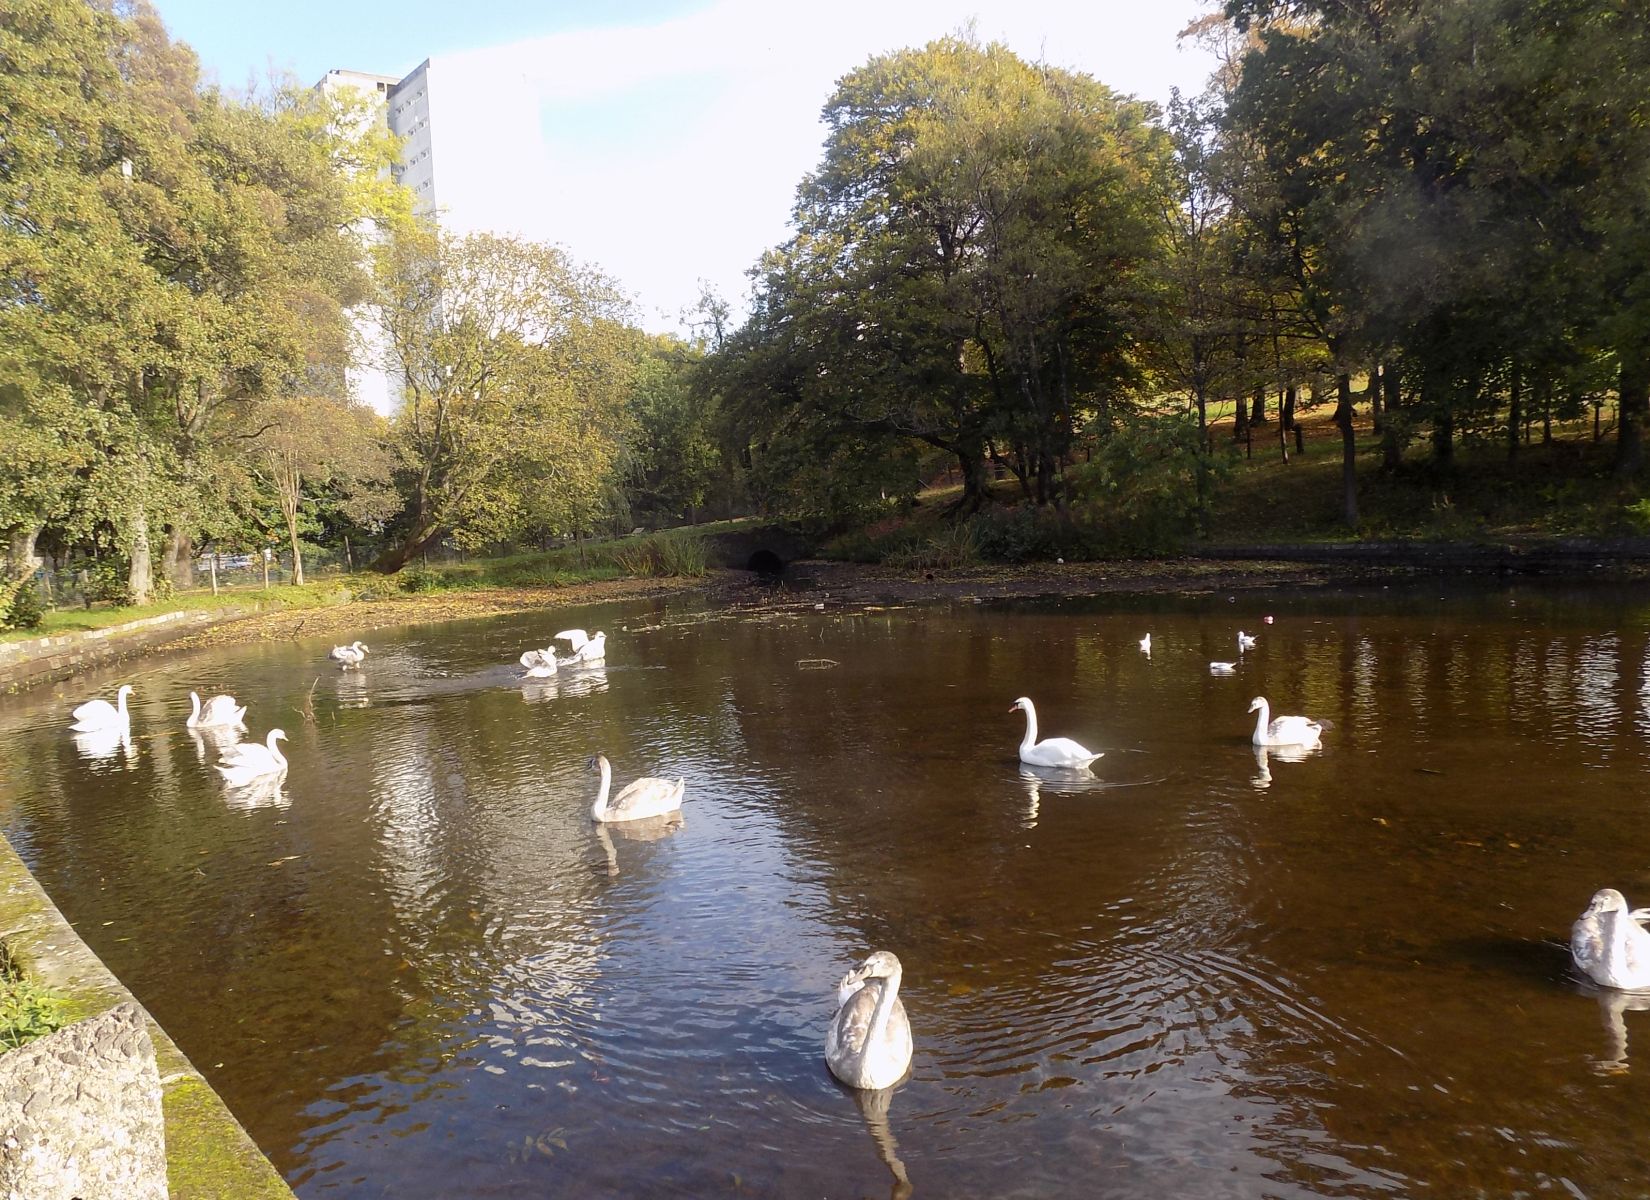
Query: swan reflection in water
[
  {"x": 210, "y": 743},
  {"x": 352, "y": 690},
  {"x": 873, "y": 1110},
  {"x": 106, "y": 747},
  {"x": 1612, "y": 1004},
  {"x": 648, "y": 829},
  {"x": 574, "y": 679},
  {"x": 265, "y": 791},
  {"x": 1287, "y": 754},
  {"x": 1057, "y": 782}
]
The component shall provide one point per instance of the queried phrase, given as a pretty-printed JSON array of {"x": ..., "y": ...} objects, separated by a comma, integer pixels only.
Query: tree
[
  {"x": 515, "y": 369},
  {"x": 967, "y": 261}
]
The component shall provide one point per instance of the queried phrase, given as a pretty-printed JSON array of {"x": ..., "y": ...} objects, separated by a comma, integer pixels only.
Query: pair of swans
[
  {"x": 1609, "y": 945},
  {"x": 349, "y": 656},
  {"x": 1050, "y": 752},
  {"x": 585, "y": 650},
  {"x": 250, "y": 762}
]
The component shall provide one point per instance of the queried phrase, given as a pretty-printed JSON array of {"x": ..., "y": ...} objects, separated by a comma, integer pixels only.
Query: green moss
[{"x": 209, "y": 1157}]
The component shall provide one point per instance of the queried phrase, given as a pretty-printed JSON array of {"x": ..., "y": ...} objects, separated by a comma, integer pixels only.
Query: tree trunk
[
  {"x": 1439, "y": 402},
  {"x": 22, "y": 561},
  {"x": 1515, "y": 412},
  {"x": 1634, "y": 403},
  {"x": 1349, "y": 449},
  {"x": 177, "y": 558},
  {"x": 138, "y": 583},
  {"x": 1286, "y": 419},
  {"x": 1373, "y": 390},
  {"x": 398, "y": 556},
  {"x": 1392, "y": 446},
  {"x": 265, "y": 557},
  {"x": 1240, "y": 421},
  {"x": 297, "y": 558},
  {"x": 1257, "y": 414},
  {"x": 1545, "y": 392},
  {"x": 212, "y": 565}
]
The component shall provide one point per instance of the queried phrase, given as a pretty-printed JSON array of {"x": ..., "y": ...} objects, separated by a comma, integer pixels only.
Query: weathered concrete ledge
[
  {"x": 208, "y": 1155},
  {"x": 48, "y": 659}
]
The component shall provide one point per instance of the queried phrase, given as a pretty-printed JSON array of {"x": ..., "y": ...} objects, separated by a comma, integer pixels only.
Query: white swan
[
  {"x": 1223, "y": 668},
  {"x": 1608, "y": 944},
  {"x": 1245, "y": 641},
  {"x": 868, "y": 1042},
  {"x": 1146, "y": 645},
  {"x": 585, "y": 649},
  {"x": 100, "y": 716},
  {"x": 1051, "y": 752},
  {"x": 220, "y": 712},
  {"x": 639, "y": 798},
  {"x": 540, "y": 664},
  {"x": 242, "y": 764},
  {"x": 1282, "y": 731},
  {"x": 349, "y": 656}
]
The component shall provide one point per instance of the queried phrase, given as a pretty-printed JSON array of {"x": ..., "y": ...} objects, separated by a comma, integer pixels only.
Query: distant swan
[
  {"x": 349, "y": 656},
  {"x": 1051, "y": 752},
  {"x": 540, "y": 664},
  {"x": 1146, "y": 645},
  {"x": 101, "y": 716},
  {"x": 220, "y": 712},
  {"x": 1223, "y": 668},
  {"x": 1282, "y": 731},
  {"x": 242, "y": 764},
  {"x": 1245, "y": 641},
  {"x": 640, "y": 798},
  {"x": 1608, "y": 944},
  {"x": 868, "y": 1042},
  {"x": 585, "y": 649}
]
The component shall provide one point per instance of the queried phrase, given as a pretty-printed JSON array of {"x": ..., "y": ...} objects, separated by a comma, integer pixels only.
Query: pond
[{"x": 420, "y": 970}]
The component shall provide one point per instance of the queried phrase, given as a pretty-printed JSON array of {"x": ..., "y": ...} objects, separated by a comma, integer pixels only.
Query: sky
[{"x": 660, "y": 140}]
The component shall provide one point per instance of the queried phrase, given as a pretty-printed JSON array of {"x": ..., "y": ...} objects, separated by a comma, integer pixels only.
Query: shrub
[
  {"x": 27, "y": 1010},
  {"x": 951, "y": 546},
  {"x": 684, "y": 556},
  {"x": 20, "y": 606},
  {"x": 420, "y": 579},
  {"x": 1025, "y": 534},
  {"x": 106, "y": 580},
  {"x": 380, "y": 588}
]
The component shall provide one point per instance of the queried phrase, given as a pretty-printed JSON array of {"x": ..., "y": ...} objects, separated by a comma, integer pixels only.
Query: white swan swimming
[
  {"x": 1282, "y": 731},
  {"x": 242, "y": 764},
  {"x": 639, "y": 798},
  {"x": 540, "y": 664},
  {"x": 97, "y": 716},
  {"x": 1146, "y": 645},
  {"x": 585, "y": 649},
  {"x": 1609, "y": 945},
  {"x": 1051, "y": 752},
  {"x": 220, "y": 712},
  {"x": 349, "y": 656},
  {"x": 1246, "y": 641},
  {"x": 868, "y": 1042},
  {"x": 1223, "y": 668}
]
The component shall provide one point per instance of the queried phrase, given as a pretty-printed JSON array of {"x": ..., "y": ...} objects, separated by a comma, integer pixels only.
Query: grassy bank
[
  {"x": 60, "y": 621},
  {"x": 1564, "y": 489}
]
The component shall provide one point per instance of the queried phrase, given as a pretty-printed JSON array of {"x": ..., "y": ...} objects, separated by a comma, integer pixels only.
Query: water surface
[{"x": 418, "y": 970}]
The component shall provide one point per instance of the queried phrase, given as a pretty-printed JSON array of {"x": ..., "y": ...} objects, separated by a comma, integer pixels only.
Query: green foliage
[
  {"x": 1140, "y": 493},
  {"x": 27, "y": 1009},
  {"x": 421, "y": 579},
  {"x": 949, "y": 547},
  {"x": 106, "y": 580},
  {"x": 683, "y": 555},
  {"x": 20, "y": 606},
  {"x": 1028, "y": 534}
]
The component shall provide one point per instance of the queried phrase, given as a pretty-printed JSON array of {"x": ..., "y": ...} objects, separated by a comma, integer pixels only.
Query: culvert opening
[{"x": 766, "y": 564}]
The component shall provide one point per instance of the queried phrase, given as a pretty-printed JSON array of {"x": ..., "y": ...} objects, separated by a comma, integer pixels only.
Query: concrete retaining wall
[
  {"x": 208, "y": 1155},
  {"x": 48, "y": 659}
]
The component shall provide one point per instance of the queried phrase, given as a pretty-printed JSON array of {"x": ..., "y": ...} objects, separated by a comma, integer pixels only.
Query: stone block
[{"x": 80, "y": 1114}]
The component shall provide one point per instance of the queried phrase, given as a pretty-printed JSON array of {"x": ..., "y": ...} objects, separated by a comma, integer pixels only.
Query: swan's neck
[
  {"x": 120, "y": 703},
  {"x": 597, "y": 809},
  {"x": 1262, "y": 721},
  {"x": 884, "y": 1008},
  {"x": 194, "y": 707},
  {"x": 1030, "y": 738},
  {"x": 280, "y": 759}
]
